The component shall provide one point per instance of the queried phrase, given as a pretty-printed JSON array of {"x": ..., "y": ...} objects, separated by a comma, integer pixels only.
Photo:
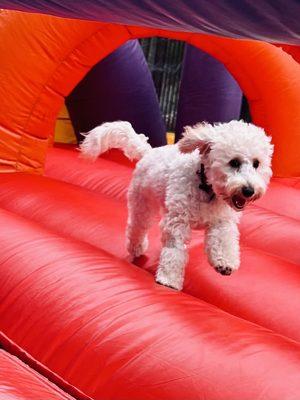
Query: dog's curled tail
[{"x": 114, "y": 135}]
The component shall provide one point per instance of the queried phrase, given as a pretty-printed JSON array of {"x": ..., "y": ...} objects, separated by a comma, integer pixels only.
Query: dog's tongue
[{"x": 238, "y": 202}]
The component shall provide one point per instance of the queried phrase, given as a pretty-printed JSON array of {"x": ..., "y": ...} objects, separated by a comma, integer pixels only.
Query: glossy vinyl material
[
  {"x": 270, "y": 233},
  {"x": 105, "y": 326},
  {"x": 19, "y": 382},
  {"x": 109, "y": 175},
  {"x": 235, "y": 18},
  {"x": 270, "y": 242},
  {"x": 54, "y": 54}
]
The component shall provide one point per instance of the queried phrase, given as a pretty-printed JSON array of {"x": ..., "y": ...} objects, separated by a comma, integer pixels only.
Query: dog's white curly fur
[
  {"x": 166, "y": 178},
  {"x": 114, "y": 135}
]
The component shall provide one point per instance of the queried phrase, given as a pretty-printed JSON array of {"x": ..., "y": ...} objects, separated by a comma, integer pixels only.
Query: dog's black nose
[{"x": 247, "y": 191}]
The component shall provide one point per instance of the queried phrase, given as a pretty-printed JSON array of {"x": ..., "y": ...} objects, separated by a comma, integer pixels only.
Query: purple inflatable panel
[
  {"x": 270, "y": 20},
  {"x": 207, "y": 92},
  {"x": 120, "y": 87}
]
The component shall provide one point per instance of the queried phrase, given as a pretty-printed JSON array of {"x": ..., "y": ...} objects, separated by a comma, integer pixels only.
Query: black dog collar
[{"x": 204, "y": 184}]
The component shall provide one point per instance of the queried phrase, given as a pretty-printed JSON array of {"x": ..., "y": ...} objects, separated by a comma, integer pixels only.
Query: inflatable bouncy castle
[{"x": 77, "y": 319}]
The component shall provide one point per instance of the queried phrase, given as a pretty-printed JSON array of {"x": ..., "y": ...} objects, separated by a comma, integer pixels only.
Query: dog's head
[{"x": 237, "y": 159}]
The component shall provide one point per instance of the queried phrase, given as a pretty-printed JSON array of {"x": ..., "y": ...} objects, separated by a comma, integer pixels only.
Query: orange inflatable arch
[{"x": 44, "y": 57}]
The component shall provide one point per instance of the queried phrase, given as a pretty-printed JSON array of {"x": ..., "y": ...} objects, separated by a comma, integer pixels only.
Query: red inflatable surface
[
  {"x": 104, "y": 326},
  {"x": 79, "y": 313},
  {"x": 19, "y": 382}
]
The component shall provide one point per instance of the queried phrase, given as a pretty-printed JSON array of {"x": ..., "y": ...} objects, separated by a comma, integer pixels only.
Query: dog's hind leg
[
  {"x": 141, "y": 212},
  {"x": 174, "y": 256}
]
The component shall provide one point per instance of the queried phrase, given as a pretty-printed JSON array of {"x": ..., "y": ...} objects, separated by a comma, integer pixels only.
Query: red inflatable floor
[
  {"x": 75, "y": 309},
  {"x": 265, "y": 289}
]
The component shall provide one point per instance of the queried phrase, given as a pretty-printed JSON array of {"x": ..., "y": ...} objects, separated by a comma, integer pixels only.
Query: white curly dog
[{"x": 213, "y": 172}]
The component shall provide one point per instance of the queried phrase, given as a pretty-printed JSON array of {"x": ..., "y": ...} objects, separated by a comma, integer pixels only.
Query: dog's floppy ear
[{"x": 195, "y": 137}]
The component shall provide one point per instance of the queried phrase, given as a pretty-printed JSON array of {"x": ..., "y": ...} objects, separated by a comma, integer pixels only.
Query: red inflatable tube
[
  {"x": 19, "y": 382},
  {"x": 258, "y": 291},
  {"x": 105, "y": 326},
  {"x": 111, "y": 174}
]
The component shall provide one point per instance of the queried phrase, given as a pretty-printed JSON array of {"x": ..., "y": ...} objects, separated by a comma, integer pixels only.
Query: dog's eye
[
  {"x": 255, "y": 163},
  {"x": 235, "y": 163}
]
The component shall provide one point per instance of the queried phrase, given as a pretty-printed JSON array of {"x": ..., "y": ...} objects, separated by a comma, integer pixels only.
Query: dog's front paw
[{"x": 224, "y": 270}]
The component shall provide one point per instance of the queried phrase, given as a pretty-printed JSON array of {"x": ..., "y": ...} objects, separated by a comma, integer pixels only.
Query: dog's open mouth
[{"x": 238, "y": 202}]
